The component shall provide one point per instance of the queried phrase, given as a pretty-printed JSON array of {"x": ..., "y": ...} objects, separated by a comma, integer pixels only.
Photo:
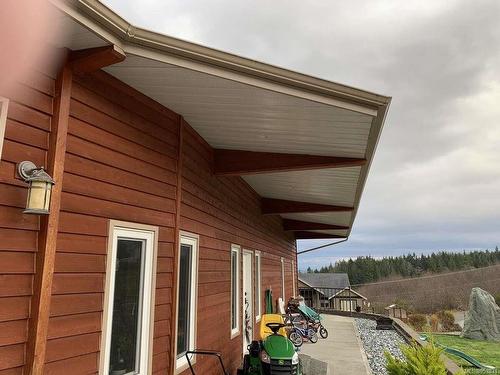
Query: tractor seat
[{"x": 270, "y": 318}]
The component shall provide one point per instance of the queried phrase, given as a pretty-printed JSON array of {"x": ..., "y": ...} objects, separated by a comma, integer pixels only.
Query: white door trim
[
  {"x": 150, "y": 235},
  {"x": 247, "y": 267}
]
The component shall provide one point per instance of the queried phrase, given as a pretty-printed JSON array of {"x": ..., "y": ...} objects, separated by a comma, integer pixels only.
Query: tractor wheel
[
  {"x": 323, "y": 332},
  {"x": 313, "y": 337},
  {"x": 295, "y": 338}
]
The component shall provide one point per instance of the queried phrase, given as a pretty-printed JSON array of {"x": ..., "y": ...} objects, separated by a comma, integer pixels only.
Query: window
[
  {"x": 258, "y": 295},
  {"x": 235, "y": 290},
  {"x": 283, "y": 279},
  {"x": 129, "y": 300},
  {"x": 4, "y": 104},
  {"x": 294, "y": 287},
  {"x": 187, "y": 281}
]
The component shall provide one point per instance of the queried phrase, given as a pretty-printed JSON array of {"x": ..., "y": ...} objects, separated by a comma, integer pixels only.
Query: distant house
[
  {"x": 329, "y": 290},
  {"x": 347, "y": 300},
  {"x": 317, "y": 288}
]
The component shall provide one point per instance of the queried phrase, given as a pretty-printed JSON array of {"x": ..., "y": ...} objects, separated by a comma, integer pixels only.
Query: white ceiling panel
[
  {"x": 336, "y": 218},
  {"x": 233, "y": 115},
  {"x": 326, "y": 186},
  {"x": 241, "y": 104},
  {"x": 72, "y": 35},
  {"x": 342, "y": 233}
]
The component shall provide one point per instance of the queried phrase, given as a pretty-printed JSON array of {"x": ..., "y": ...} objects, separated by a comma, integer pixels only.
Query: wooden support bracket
[
  {"x": 303, "y": 235},
  {"x": 93, "y": 59},
  {"x": 239, "y": 163},
  {"x": 280, "y": 206},
  {"x": 298, "y": 225}
]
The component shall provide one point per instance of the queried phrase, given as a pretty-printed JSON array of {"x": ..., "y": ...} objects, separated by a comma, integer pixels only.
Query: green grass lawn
[{"x": 486, "y": 352}]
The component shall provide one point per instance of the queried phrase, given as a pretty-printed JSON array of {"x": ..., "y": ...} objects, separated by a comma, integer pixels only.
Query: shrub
[
  {"x": 426, "y": 328},
  {"x": 450, "y": 301},
  {"x": 434, "y": 320},
  {"x": 497, "y": 299},
  {"x": 417, "y": 321},
  {"x": 419, "y": 360},
  {"x": 447, "y": 320}
]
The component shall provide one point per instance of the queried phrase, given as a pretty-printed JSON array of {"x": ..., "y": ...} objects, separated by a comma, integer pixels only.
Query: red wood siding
[
  {"x": 225, "y": 211},
  {"x": 26, "y": 138},
  {"x": 121, "y": 163}
]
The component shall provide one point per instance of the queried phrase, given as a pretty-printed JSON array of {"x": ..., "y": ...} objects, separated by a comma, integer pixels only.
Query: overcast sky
[{"x": 435, "y": 180}]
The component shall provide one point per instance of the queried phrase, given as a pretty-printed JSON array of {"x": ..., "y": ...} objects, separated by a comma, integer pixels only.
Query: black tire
[
  {"x": 313, "y": 337},
  {"x": 295, "y": 338},
  {"x": 323, "y": 332}
]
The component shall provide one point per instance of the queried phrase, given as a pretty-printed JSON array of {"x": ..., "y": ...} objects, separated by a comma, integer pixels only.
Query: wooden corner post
[
  {"x": 177, "y": 229},
  {"x": 82, "y": 62},
  {"x": 47, "y": 237}
]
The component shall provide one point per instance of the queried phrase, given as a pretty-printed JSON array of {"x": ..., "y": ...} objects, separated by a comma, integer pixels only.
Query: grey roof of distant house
[{"x": 335, "y": 280}]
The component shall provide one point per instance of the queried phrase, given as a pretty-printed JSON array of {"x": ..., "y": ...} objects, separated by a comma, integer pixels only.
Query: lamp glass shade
[{"x": 39, "y": 197}]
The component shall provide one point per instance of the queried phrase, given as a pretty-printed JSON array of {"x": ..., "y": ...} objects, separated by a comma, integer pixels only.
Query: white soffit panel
[
  {"x": 325, "y": 186},
  {"x": 72, "y": 35},
  {"x": 337, "y": 218},
  {"x": 237, "y": 103},
  {"x": 343, "y": 233},
  {"x": 232, "y": 115},
  {"x": 335, "y": 232}
]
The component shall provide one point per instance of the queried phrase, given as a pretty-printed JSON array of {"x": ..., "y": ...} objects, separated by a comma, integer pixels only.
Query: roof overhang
[
  {"x": 351, "y": 291},
  {"x": 308, "y": 285},
  {"x": 326, "y": 133}
]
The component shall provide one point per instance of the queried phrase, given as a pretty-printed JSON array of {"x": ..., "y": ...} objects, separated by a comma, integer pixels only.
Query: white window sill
[{"x": 235, "y": 333}]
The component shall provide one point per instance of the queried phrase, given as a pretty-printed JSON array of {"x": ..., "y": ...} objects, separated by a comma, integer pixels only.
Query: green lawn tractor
[{"x": 274, "y": 354}]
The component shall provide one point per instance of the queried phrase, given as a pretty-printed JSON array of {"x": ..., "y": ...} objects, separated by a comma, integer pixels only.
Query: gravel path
[{"x": 376, "y": 342}]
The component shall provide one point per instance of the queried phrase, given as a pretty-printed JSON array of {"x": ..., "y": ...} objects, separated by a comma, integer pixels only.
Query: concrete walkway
[{"x": 342, "y": 349}]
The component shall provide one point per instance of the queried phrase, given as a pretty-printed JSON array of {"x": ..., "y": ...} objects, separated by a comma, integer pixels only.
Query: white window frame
[
  {"x": 258, "y": 286},
  {"x": 192, "y": 240},
  {"x": 294, "y": 287},
  {"x": 4, "y": 106},
  {"x": 235, "y": 331},
  {"x": 150, "y": 235},
  {"x": 283, "y": 280}
]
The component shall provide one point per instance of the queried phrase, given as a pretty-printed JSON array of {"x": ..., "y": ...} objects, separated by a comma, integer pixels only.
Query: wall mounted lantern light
[{"x": 39, "y": 189}]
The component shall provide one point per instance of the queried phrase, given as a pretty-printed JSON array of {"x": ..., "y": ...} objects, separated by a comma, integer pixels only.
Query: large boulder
[{"x": 482, "y": 321}]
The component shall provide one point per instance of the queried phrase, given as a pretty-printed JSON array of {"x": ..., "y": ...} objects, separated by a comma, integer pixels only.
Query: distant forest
[{"x": 364, "y": 270}]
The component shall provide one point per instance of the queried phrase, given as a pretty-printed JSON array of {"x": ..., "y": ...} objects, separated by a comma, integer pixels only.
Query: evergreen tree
[{"x": 367, "y": 269}]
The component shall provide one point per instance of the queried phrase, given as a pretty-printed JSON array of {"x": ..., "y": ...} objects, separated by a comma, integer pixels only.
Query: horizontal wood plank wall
[
  {"x": 225, "y": 211},
  {"x": 26, "y": 138},
  {"x": 120, "y": 164}
]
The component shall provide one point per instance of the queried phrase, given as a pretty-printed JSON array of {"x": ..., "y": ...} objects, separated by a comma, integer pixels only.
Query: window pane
[
  {"x": 234, "y": 265},
  {"x": 127, "y": 306},
  {"x": 184, "y": 300}
]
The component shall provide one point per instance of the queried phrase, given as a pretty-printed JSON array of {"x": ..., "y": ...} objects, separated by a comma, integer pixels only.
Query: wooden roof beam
[
  {"x": 272, "y": 206},
  {"x": 239, "y": 163},
  {"x": 92, "y": 59},
  {"x": 305, "y": 235},
  {"x": 299, "y": 225}
]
